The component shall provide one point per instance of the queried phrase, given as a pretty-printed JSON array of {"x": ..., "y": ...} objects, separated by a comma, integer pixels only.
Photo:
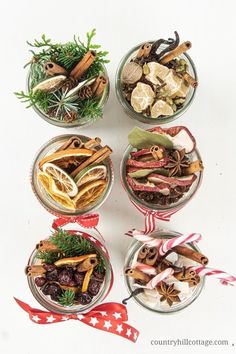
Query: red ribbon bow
[
  {"x": 109, "y": 317},
  {"x": 88, "y": 221},
  {"x": 151, "y": 216}
]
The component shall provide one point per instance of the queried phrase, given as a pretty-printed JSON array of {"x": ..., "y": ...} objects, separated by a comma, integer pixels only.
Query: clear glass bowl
[
  {"x": 139, "y": 116},
  {"x": 51, "y": 205},
  {"x": 81, "y": 122},
  {"x": 156, "y": 207},
  {"x": 131, "y": 258},
  {"x": 54, "y": 306}
]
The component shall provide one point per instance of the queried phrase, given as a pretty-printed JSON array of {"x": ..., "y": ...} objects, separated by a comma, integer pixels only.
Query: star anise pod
[
  {"x": 177, "y": 162},
  {"x": 168, "y": 293}
]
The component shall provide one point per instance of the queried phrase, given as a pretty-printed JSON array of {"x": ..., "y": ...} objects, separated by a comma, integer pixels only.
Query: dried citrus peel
[
  {"x": 90, "y": 193},
  {"x": 86, "y": 280},
  {"x": 73, "y": 260},
  {"x": 50, "y": 186},
  {"x": 65, "y": 153}
]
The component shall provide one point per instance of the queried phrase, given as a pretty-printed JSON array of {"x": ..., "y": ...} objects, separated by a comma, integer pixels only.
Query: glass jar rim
[
  {"x": 140, "y": 116},
  {"x": 135, "y": 245},
  {"x": 44, "y": 201}
]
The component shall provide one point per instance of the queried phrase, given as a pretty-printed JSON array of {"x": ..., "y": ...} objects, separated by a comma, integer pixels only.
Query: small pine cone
[
  {"x": 85, "y": 92},
  {"x": 69, "y": 118},
  {"x": 68, "y": 85}
]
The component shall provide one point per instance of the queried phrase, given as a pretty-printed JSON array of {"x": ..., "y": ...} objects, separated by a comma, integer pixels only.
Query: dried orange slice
[
  {"x": 142, "y": 97},
  {"x": 86, "y": 280},
  {"x": 73, "y": 260},
  {"x": 63, "y": 181},
  {"x": 51, "y": 188},
  {"x": 65, "y": 153},
  {"x": 89, "y": 193}
]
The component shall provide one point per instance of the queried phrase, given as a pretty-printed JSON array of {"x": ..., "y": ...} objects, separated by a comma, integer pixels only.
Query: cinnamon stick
[
  {"x": 46, "y": 245},
  {"x": 144, "y": 50},
  {"x": 143, "y": 253},
  {"x": 54, "y": 69},
  {"x": 190, "y": 80},
  {"x": 182, "y": 48},
  {"x": 35, "y": 270},
  {"x": 151, "y": 257},
  {"x": 92, "y": 143},
  {"x": 99, "y": 85},
  {"x": 191, "y": 254},
  {"x": 87, "y": 264},
  {"x": 73, "y": 143},
  {"x": 137, "y": 274},
  {"x": 83, "y": 65},
  {"x": 95, "y": 158}
]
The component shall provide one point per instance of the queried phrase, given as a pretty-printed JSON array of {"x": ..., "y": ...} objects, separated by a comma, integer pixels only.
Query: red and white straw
[
  {"x": 145, "y": 268},
  {"x": 225, "y": 278},
  {"x": 159, "y": 277},
  {"x": 179, "y": 240}
]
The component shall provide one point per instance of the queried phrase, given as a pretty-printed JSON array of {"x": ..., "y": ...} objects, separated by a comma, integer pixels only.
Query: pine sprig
[
  {"x": 40, "y": 99},
  {"x": 71, "y": 245},
  {"x": 90, "y": 108},
  {"x": 67, "y": 298},
  {"x": 48, "y": 257}
]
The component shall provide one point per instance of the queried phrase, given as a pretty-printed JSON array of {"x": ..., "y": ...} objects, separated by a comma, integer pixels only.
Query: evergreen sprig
[
  {"x": 39, "y": 98},
  {"x": 48, "y": 257},
  {"x": 67, "y": 298},
  {"x": 71, "y": 245},
  {"x": 90, "y": 108}
]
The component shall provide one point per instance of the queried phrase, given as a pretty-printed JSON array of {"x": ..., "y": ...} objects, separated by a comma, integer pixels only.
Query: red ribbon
[
  {"x": 151, "y": 216},
  {"x": 108, "y": 317},
  {"x": 88, "y": 221}
]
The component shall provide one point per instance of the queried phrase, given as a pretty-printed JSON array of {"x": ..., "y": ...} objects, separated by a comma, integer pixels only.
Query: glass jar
[
  {"x": 187, "y": 196},
  {"x": 45, "y": 199},
  {"x": 51, "y": 305},
  {"x": 78, "y": 123},
  {"x": 139, "y": 116},
  {"x": 141, "y": 299}
]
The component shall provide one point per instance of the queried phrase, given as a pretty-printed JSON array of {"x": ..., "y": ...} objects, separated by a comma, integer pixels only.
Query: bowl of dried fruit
[
  {"x": 69, "y": 272},
  {"x": 161, "y": 168},
  {"x": 163, "y": 283},
  {"x": 72, "y": 175},
  {"x": 156, "y": 81},
  {"x": 67, "y": 84}
]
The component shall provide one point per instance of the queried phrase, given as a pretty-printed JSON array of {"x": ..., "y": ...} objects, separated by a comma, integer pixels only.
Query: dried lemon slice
[
  {"x": 91, "y": 173},
  {"x": 161, "y": 108},
  {"x": 49, "y": 84},
  {"x": 156, "y": 70},
  {"x": 63, "y": 181},
  {"x": 89, "y": 193},
  {"x": 142, "y": 97},
  {"x": 50, "y": 186},
  {"x": 66, "y": 153}
]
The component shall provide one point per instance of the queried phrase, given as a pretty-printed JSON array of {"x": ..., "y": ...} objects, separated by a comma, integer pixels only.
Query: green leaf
[
  {"x": 142, "y": 139},
  {"x": 146, "y": 172}
]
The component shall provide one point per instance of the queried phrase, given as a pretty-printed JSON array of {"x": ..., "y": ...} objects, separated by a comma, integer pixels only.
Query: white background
[{"x": 210, "y": 26}]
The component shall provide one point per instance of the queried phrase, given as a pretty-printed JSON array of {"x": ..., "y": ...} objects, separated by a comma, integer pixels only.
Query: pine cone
[
  {"x": 85, "y": 92},
  {"x": 68, "y": 85},
  {"x": 68, "y": 118}
]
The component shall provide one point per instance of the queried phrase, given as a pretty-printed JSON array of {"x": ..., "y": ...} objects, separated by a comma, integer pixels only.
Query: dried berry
[
  {"x": 40, "y": 281},
  {"x": 79, "y": 277},
  {"x": 54, "y": 291},
  {"x": 83, "y": 298},
  {"x": 66, "y": 276},
  {"x": 49, "y": 267},
  {"x": 52, "y": 276},
  {"x": 99, "y": 275},
  {"x": 94, "y": 287}
]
